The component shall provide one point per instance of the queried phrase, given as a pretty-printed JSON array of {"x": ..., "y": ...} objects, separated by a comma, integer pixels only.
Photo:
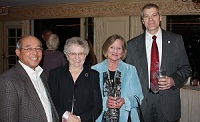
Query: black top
[
  {"x": 86, "y": 93},
  {"x": 112, "y": 74}
]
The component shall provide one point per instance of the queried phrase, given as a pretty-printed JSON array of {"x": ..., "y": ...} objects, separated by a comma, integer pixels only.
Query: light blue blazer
[{"x": 130, "y": 86}]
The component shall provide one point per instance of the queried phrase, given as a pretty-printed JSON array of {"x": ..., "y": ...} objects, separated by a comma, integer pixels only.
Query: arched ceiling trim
[{"x": 98, "y": 9}]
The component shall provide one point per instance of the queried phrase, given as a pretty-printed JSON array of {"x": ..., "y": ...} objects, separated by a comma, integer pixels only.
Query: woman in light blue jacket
[{"x": 119, "y": 83}]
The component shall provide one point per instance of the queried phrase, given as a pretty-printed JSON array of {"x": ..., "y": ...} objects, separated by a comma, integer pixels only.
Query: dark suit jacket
[
  {"x": 19, "y": 101},
  {"x": 174, "y": 60},
  {"x": 86, "y": 92}
]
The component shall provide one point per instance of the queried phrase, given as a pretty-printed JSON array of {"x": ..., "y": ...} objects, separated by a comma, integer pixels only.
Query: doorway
[
  {"x": 11, "y": 34},
  {"x": 65, "y": 28},
  {"x": 189, "y": 27}
]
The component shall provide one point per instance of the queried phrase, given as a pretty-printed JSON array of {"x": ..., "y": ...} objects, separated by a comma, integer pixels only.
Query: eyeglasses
[
  {"x": 30, "y": 49},
  {"x": 73, "y": 54}
]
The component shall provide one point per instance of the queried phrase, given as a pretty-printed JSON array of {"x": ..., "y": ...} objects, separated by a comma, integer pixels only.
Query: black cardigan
[{"x": 86, "y": 92}]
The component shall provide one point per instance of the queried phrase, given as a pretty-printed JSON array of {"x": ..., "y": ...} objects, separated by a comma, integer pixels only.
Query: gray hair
[
  {"x": 19, "y": 42},
  {"x": 78, "y": 41},
  {"x": 148, "y": 6},
  {"x": 53, "y": 42}
]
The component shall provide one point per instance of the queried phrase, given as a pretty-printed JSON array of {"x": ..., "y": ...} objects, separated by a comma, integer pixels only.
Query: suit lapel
[
  {"x": 143, "y": 57},
  {"x": 31, "y": 91},
  {"x": 53, "y": 109},
  {"x": 142, "y": 64},
  {"x": 166, "y": 42}
]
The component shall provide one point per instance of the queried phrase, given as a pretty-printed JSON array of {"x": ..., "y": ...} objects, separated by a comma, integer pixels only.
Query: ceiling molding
[{"x": 97, "y": 9}]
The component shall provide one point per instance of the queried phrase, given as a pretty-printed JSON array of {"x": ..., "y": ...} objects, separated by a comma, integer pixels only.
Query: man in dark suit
[
  {"x": 24, "y": 93},
  {"x": 163, "y": 106}
]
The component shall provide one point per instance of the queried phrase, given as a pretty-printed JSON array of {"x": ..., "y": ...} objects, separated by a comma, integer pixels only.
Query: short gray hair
[
  {"x": 53, "y": 42},
  {"x": 76, "y": 40},
  {"x": 19, "y": 42}
]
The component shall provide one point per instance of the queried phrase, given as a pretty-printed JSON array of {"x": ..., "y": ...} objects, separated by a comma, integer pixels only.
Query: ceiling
[{"x": 17, "y": 3}]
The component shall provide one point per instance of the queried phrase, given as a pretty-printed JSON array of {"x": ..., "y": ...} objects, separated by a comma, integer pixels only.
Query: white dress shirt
[
  {"x": 40, "y": 89},
  {"x": 148, "y": 42}
]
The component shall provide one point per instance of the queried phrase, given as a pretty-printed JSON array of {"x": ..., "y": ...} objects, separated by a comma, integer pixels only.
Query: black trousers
[{"x": 153, "y": 111}]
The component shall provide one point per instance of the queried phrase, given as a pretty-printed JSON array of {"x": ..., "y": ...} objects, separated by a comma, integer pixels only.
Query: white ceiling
[{"x": 14, "y": 3}]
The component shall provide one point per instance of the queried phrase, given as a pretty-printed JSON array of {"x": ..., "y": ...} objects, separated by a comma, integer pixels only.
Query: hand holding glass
[
  {"x": 161, "y": 73},
  {"x": 161, "y": 78}
]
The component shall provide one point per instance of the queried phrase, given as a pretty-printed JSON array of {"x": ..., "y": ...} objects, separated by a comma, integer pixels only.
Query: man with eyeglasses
[{"x": 24, "y": 92}]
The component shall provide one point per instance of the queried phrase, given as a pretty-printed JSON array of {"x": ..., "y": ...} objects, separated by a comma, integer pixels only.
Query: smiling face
[
  {"x": 76, "y": 56},
  {"x": 30, "y": 52},
  {"x": 151, "y": 20},
  {"x": 115, "y": 51}
]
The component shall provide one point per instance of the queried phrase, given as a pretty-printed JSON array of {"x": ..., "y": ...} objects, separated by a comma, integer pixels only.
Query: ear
[
  {"x": 17, "y": 51},
  {"x": 67, "y": 57},
  {"x": 143, "y": 22},
  {"x": 160, "y": 18}
]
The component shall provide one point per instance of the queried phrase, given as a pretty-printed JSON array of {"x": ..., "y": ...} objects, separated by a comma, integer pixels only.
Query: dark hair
[
  {"x": 110, "y": 41},
  {"x": 91, "y": 57},
  {"x": 46, "y": 30}
]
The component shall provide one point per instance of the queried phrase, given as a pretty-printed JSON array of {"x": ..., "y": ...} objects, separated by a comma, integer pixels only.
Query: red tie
[{"x": 154, "y": 66}]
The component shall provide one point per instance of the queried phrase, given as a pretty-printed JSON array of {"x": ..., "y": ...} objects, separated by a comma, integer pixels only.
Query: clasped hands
[
  {"x": 69, "y": 117},
  {"x": 165, "y": 83},
  {"x": 114, "y": 102}
]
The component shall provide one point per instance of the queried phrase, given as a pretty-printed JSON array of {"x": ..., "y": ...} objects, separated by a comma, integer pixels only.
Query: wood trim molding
[{"x": 98, "y": 9}]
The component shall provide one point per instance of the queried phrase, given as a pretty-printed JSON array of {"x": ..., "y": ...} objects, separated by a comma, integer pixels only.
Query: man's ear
[
  {"x": 17, "y": 52},
  {"x": 143, "y": 22}
]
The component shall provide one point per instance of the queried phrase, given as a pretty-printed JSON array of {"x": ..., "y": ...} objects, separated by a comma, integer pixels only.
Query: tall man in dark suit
[
  {"x": 163, "y": 106},
  {"x": 24, "y": 94}
]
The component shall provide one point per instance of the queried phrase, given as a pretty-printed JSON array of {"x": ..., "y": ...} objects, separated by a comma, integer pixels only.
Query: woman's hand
[
  {"x": 73, "y": 118},
  {"x": 69, "y": 117},
  {"x": 115, "y": 102}
]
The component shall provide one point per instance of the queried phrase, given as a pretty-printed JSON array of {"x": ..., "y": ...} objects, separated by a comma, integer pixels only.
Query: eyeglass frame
[
  {"x": 30, "y": 49},
  {"x": 74, "y": 54}
]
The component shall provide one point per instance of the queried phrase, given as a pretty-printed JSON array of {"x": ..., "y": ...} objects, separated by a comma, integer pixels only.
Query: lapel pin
[
  {"x": 168, "y": 41},
  {"x": 86, "y": 74}
]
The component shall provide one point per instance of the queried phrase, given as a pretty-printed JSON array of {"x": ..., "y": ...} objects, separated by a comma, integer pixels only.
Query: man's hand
[{"x": 165, "y": 83}]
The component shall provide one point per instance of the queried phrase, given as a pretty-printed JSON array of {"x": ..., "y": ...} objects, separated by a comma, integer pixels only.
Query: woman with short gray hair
[
  {"x": 75, "y": 87},
  {"x": 52, "y": 58}
]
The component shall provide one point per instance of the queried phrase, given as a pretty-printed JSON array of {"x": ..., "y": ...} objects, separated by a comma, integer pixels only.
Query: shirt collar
[
  {"x": 38, "y": 70},
  {"x": 148, "y": 35}
]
